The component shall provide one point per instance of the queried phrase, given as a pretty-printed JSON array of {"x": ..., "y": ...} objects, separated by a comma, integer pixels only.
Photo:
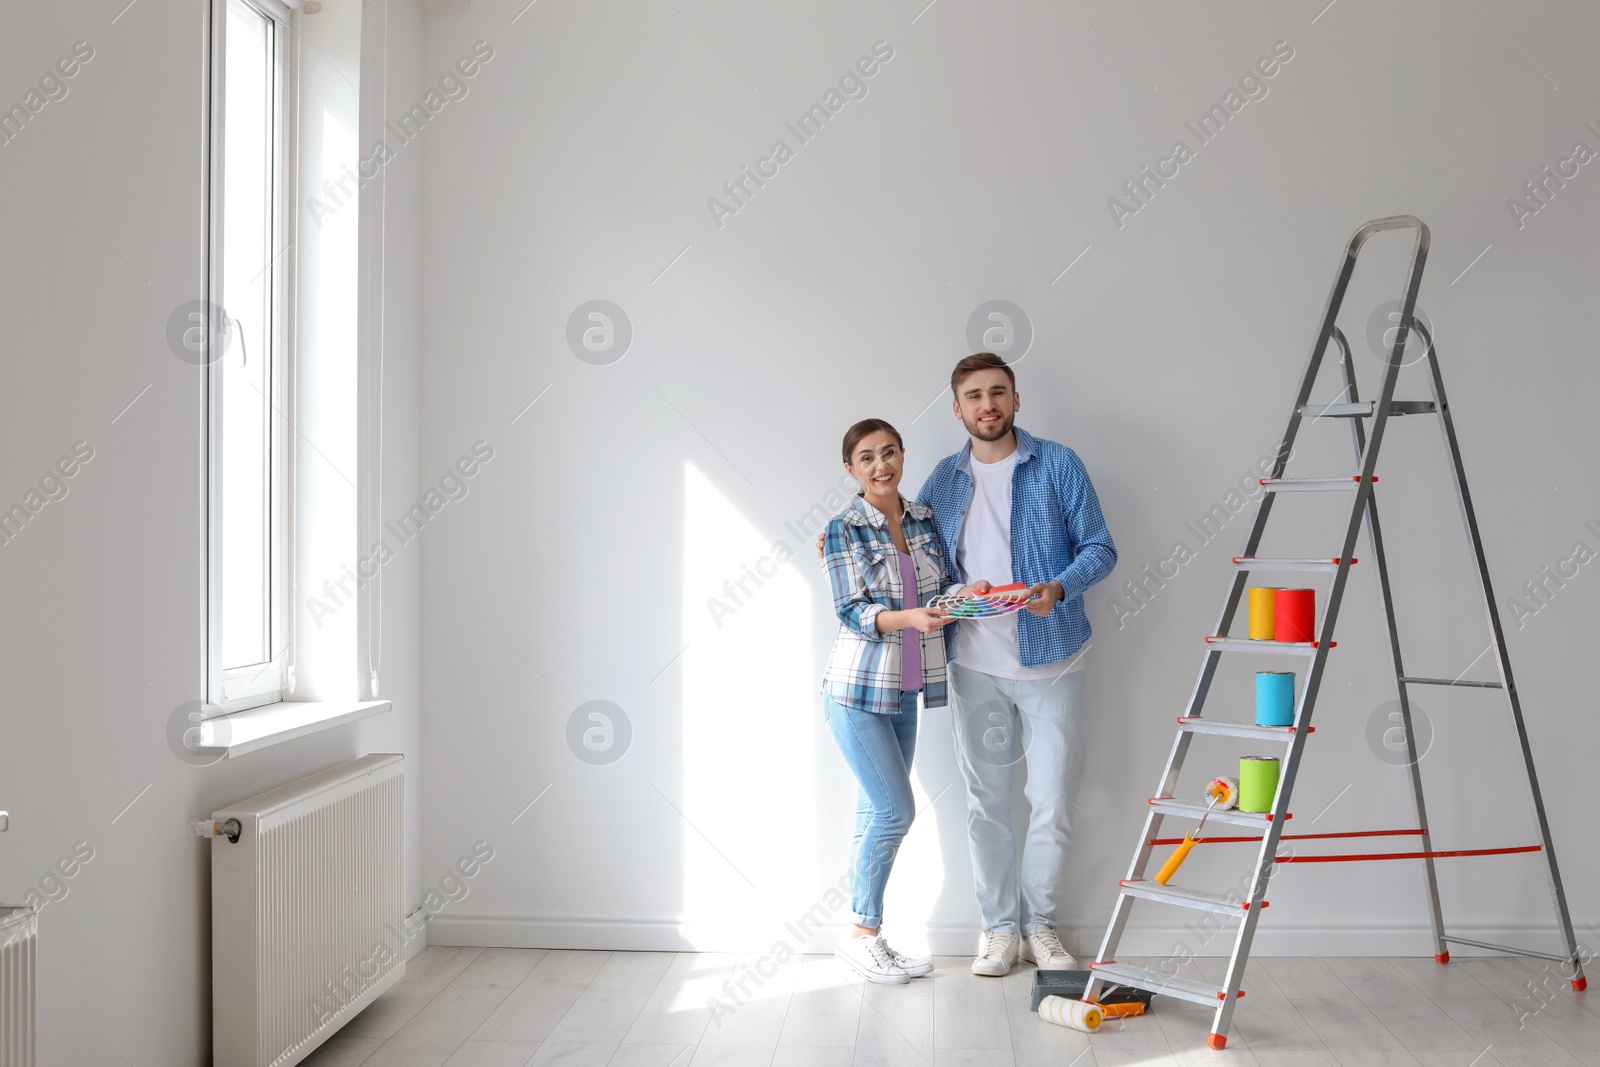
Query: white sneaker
[
  {"x": 1043, "y": 947},
  {"x": 913, "y": 967},
  {"x": 998, "y": 956},
  {"x": 871, "y": 959}
]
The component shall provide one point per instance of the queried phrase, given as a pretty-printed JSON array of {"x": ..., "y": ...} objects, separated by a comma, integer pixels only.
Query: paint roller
[
  {"x": 1224, "y": 793},
  {"x": 1073, "y": 1014}
]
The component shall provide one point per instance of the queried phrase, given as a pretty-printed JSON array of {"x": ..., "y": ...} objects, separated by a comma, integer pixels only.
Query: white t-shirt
[{"x": 984, "y": 552}]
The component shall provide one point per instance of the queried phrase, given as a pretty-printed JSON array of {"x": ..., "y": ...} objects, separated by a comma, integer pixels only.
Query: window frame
[{"x": 234, "y": 689}]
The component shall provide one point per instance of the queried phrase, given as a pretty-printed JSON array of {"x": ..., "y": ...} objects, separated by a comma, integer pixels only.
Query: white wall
[
  {"x": 978, "y": 167},
  {"x": 100, "y": 633}
]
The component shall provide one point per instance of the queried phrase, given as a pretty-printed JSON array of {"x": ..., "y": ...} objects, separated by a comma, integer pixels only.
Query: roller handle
[{"x": 1174, "y": 861}]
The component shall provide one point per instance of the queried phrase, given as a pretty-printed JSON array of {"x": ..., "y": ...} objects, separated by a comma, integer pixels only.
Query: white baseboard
[
  {"x": 419, "y": 940},
  {"x": 955, "y": 938}
]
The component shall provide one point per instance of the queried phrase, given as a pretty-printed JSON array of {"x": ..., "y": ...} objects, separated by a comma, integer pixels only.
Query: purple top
[{"x": 910, "y": 637}]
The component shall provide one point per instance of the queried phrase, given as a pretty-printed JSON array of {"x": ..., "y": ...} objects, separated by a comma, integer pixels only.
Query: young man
[{"x": 1011, "y": 507}]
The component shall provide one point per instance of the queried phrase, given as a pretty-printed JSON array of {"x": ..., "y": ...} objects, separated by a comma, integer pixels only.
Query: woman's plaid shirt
[{"x": 859, "y": 556}]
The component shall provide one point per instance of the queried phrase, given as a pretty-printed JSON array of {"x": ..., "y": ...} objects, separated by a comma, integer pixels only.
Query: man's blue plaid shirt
[{"x": 1057, "y": 532}]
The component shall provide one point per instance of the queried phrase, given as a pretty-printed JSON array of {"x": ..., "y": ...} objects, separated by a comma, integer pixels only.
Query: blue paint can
[{"x": 1274, "y": 698}]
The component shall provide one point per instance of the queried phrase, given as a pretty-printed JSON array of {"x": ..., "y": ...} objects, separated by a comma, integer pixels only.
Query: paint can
[
  {"x": 1274, "y": 698},
  {"x": 1263, "y": 613},
  {"x": 1295, "y": 615},
  {"x": 1258, "y": 782}
]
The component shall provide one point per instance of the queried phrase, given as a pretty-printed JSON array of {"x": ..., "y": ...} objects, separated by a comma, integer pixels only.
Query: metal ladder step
[
  {"x": 1311, "y": 485},
  {"x": 1188, "y": 809},
  {"x": 1200, "y": 900},
  {"x": 1463, "y": 683},
  {"x": 1156, "y": 982},
  {"x": 1194, "y": 724},
  {"x": 1263, "y": 563},
  {"x": 1365, "y": 408},
  {"x": 1277, "y": 648}
]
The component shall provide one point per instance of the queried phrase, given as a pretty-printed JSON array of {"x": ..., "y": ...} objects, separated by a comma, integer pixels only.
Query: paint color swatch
[{"x": 1001, "y": 600}]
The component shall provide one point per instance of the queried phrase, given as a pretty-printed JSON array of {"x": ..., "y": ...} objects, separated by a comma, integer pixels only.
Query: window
[{"x": 248, "y": 621}]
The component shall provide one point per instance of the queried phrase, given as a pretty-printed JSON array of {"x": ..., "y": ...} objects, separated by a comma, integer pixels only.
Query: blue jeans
[
  {"x": 1001, "y": 727},
  {"x": 879, "y": 749}
]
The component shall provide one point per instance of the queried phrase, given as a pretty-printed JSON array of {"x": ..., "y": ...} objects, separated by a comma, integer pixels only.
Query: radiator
[
  {"x": 19, "y": 947},
  {"x": 306, "y": 910}
]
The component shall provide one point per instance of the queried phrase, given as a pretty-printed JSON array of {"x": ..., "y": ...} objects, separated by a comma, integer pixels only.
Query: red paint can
[{"x": 1295, "y": 615}]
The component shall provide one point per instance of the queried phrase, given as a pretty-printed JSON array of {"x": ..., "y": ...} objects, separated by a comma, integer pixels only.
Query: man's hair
[{"x": 976, "y": 362}]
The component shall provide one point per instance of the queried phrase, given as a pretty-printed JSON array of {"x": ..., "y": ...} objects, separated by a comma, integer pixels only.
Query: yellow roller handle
[{"x": 1174, "y": 861}]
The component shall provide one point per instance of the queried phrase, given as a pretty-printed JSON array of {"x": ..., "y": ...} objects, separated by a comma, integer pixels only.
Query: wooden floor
[{"x": 512, "y": 1007}]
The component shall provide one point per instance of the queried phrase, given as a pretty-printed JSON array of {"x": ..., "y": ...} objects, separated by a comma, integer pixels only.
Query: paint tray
[{"x": 1071, "y": 984}]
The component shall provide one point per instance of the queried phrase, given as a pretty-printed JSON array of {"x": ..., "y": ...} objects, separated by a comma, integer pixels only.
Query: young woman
[{"x": 883, "y": 560}]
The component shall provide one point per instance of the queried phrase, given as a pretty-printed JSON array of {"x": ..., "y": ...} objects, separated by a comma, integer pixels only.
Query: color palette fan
[{"x": 1001, "y": 600}]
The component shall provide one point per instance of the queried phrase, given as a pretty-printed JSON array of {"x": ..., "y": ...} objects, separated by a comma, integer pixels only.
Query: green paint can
[{"x": 1258, "y": 782}]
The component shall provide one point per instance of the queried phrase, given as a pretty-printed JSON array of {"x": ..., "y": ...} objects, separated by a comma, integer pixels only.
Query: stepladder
[{"x": 1367, "y": 421}]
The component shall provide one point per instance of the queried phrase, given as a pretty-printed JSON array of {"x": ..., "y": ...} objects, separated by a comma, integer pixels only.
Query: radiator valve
[{"x": 228, "y": 828}]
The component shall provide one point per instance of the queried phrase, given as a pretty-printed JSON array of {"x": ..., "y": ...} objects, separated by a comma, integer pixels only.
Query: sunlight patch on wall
[
  {"x": 914, "y": 886},
  {"x": 750, "y": 705}
]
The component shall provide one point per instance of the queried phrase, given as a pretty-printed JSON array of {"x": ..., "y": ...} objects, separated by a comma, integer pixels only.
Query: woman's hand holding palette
[{"x": 1000, "y": 600}]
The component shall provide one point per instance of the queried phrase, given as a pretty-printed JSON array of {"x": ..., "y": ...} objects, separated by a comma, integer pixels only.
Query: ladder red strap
[
  {"x": 1408, "y": 855},
  {"x": 1429, "y": 854}
]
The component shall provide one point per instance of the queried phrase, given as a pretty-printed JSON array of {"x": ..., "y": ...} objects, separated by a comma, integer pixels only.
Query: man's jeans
[
  {"x": 1000, "y": 725},
  {"x": 878, "y": 749}
]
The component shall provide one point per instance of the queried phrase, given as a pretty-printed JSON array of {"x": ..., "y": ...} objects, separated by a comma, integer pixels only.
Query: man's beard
[{"x": 991, "y": 433}]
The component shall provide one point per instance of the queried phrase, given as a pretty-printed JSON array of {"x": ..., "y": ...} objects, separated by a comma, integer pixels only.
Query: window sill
[{"x": 246, "y": 731}]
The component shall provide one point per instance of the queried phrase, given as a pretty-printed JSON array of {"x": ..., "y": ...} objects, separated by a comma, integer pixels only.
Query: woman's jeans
[{"x": 879, "y": 749}]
